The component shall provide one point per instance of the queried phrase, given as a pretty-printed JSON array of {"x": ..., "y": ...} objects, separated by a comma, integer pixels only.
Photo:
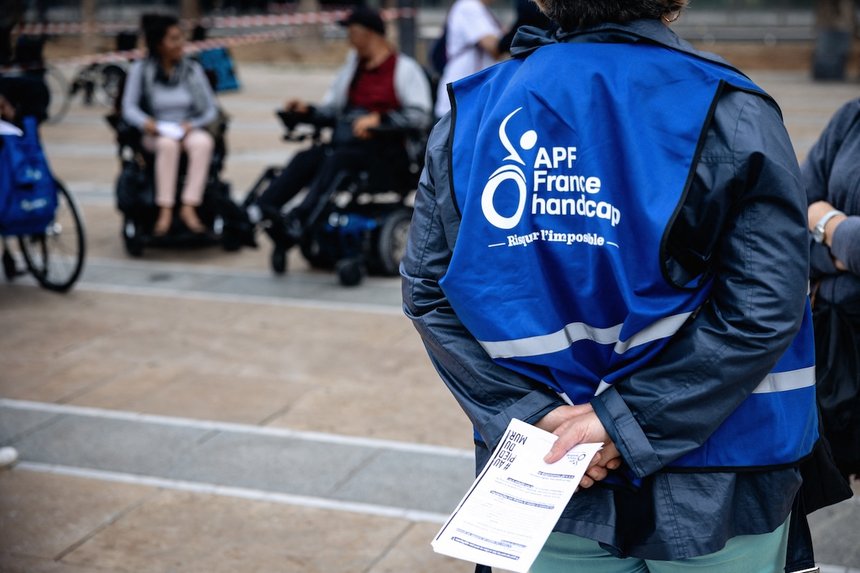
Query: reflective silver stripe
[
  {"x": 576, "y": 331},
  {"x": 773, "y": 382},
  {"x": 553, "y": 342},
  {"x": 663, "y": 328},
  {"x": 784, "y": 381},
  {"x": 602, "y": 388}
]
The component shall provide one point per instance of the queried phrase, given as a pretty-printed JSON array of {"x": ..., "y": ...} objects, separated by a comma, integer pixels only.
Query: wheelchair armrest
[
  {"x": 127, "y": 135},
  {"x": 292, "y": 120}
]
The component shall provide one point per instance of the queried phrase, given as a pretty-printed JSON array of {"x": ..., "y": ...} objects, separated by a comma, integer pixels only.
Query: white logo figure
[{"x": 508, "y": 172}]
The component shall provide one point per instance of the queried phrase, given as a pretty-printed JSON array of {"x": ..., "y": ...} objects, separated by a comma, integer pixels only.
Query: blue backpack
[{"x": 28, "y": 191}]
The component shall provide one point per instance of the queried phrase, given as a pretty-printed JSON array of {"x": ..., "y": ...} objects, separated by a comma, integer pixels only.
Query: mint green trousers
[{"x": 565, "y": 553}]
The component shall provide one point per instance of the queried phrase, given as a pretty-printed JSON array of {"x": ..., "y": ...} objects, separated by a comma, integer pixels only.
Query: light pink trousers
[{"x": 198, "y": 145}]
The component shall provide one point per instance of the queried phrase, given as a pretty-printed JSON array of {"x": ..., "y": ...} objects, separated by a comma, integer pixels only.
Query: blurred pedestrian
[
  {"x": 472, "y": 44},
  {"x": 168, "y": 97},
  {"x": 609, "y": 243},
  {"x": 830, "y": 174}
]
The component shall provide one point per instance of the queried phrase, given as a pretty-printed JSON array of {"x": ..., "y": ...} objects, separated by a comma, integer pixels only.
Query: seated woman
[
  {"x": 830, "y": 174},
  {"x": 168, "y": 97}
]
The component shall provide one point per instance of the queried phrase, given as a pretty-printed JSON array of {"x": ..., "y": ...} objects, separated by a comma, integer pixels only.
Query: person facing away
[
  {"x": 168, "y": 97},
  {"x": 830, "y": 174},
  {"x": 377, "y": 86},
  {"x": 609, "y": 243},
  {"x": 472, "y": 44}
]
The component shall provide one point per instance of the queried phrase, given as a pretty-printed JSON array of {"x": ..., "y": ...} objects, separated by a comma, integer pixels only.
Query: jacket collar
[{"x": 528, "y": 38}]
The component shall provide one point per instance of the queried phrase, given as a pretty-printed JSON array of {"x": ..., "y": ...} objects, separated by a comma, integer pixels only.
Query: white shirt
[{"x": 468, "y": 21}]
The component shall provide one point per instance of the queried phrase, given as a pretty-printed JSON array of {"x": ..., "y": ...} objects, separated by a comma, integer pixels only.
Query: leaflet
[
  {"x": 170, "y": 129},
  {"x": 509, "y": 511}
]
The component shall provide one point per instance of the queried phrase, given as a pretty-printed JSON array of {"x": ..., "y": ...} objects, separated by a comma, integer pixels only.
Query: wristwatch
[{"x": 818, "y": 229}]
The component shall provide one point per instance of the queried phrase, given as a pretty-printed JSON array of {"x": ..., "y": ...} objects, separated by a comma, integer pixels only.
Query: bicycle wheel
[
  {"x": 56, "y": 257},
  {"x": 59, "y": 92}
]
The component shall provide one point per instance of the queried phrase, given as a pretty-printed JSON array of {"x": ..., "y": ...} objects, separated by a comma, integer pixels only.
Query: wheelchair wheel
[
  {"x": 350, "y": 271},
  {"x": 314, "y": 254},
  {"x": 391, "y": 242},
  {"x": 131, "y": 238},
  {"x": 59, "y": 92},
  {"x": 56, "y": 257}
]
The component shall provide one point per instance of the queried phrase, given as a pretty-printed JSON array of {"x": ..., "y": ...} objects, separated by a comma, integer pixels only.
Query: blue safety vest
[{"x": 568, "y": 168}]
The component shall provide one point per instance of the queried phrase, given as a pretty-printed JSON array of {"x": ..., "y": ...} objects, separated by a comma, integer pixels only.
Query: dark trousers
[{"x": 316, "y": 168}]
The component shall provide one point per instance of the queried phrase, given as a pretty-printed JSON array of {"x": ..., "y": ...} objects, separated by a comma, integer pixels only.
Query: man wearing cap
[{"x": 376, "y": 86}]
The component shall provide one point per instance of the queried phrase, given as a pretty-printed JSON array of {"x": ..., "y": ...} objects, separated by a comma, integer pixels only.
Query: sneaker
[
  {"x": 279, "y": 259},
  {"x": 8, "y": 456}
]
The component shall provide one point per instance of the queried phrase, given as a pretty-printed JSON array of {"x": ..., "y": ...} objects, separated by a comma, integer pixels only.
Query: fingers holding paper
[{"x": 576, "y": 425}]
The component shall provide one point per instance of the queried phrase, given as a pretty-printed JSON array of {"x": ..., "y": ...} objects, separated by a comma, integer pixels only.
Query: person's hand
[
  {"x": 149, "y": 127},
  {"x": 7, "y": 110},
  {"x": 296, "y": 106},
  {"x": 186, "y": 128},
  {"x": 577, "y": 425},
  {"x": 814, "y": 213},
  {"x": 362, "y": 125}
]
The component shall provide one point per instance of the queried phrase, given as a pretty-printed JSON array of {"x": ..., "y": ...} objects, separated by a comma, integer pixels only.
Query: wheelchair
[
  {"x": 360, "y": 223},
  {"x": 44, "y": 218},
  {"x": 135, "y": 196}
]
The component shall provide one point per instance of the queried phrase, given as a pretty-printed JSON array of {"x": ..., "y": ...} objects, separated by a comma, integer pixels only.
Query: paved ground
[{"x": 191, "y": 412}]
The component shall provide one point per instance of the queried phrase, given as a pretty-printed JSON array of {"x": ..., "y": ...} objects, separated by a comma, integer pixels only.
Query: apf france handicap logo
[{"x": 508, "y": 172}]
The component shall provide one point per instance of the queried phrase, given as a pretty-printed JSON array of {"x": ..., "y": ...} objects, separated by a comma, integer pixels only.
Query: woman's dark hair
[
  {"x": 155, "y": 27},
  {"x": 575, "y": 14}
]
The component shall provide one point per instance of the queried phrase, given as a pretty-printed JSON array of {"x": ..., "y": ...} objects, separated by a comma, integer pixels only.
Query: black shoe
[{"x": 279, "y": 259}]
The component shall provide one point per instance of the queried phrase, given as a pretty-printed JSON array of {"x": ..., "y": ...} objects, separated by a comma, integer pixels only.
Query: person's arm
[
  {"x": 491, "y": 395},
  {"x": 815, "y": 175},
  {"x": 473, "y": 25},
  {"x": 131, "y": 111},
  {"x": 844, "y": 243},
  {"x": 718, "y": 358},
  {"x": 335, "y": 98},
  {"x": 210, "y": 111},
  {"x": 413, "y": 92}
]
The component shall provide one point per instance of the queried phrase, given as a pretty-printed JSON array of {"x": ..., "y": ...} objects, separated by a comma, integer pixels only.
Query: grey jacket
[
  {"x": 142, "y": 89},
  {"x": 744, "y": 222}
]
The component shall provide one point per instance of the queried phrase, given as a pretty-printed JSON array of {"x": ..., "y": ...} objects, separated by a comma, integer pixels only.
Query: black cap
[{"x": 367, "y": 17}]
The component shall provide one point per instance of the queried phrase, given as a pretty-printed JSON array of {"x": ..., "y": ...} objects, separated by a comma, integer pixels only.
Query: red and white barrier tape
[
  {"x": 190, "y": 47},
  {"x": 218, "y": 22}
]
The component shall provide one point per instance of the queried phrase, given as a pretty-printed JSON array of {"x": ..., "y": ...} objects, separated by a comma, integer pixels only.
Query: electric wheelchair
[
  {"x": 135, "y": 196},
  {"x": 360, "y": 223}
]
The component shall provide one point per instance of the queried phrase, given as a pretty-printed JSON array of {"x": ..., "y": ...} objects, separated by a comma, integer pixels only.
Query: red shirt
[{"x": 373, "y": 90}]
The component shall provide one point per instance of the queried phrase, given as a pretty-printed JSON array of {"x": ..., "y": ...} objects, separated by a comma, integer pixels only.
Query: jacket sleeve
[
  {"x": 489, "y": 394},
  {"x": 759, "y": 266},
  {"x": 131, "y": 111},
  {"x": 413, "y": 92},
  {"x": 334, "y": 100},
  {"x": 815, "y": 175},
  {"x": 210, "y": 112}
]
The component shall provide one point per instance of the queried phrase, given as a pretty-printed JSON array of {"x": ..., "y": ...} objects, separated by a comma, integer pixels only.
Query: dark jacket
[
  {"x": 743, "y": 221},
  {"x": 831, "y": 172}
]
